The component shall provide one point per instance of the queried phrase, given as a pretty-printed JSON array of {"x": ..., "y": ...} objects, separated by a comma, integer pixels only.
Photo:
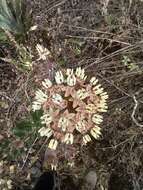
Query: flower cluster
[
  {"x": 72, "y": 105},
  {"x": 42, "y": 52},
  {"x": 5, "y": 184}
]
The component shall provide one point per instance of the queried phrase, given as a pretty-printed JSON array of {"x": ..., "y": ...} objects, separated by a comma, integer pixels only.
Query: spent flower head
[{"x": 72, "y": 106}]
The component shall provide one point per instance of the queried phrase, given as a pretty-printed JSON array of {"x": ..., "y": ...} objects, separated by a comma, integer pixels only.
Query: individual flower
[
  {"x": 6, "y": 184},
  {"x": 68, "y": 138},
  {"x": 40, "y": 98},
  {"x": 53, "y": 144},
  {"x": 63, "y": 123},
  {"x": 57, "y": 99},
  {"x": 86, "y": 139},
  {"x": 82, "y": 94},
  {"x": 47, "y": 83},
  {"x": 72, "y": 107},
  {"x": 45, "y": 132},
  {"x": 46, "y": 119},
  {"x": 81, "y": 126},
  {"x": 80, "y": 73},
  {"x": 71, "y": 80},
  {"x": 59, "y": 78},
  {"x": 42, "y": 52},
  {"x": 95, "y": 131}
]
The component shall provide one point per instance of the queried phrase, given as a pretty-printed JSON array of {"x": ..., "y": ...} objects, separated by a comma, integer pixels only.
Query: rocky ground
[{"x": 105, "y": 38}]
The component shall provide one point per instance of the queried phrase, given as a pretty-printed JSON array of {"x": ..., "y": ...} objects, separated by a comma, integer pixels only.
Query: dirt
[{"x": 86, "y": 33}]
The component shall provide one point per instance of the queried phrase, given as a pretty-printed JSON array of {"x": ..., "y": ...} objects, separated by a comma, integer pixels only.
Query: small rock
[
  {"x": 36, "y": 172},
  {"x": 12, "y": 168},
  {"x": 91, "y": 179}
]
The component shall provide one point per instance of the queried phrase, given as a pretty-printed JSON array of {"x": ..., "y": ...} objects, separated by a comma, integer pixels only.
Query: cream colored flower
[
  {"x": 68, "y": 138},
  {"x": 91, "y": 108},
  {"x": 53, "y": 144},
  {"x": 46, "y": 119},
  {"x": 102, "y": 109},
  {"x": 57, "y": 99},
  {"x": 63, "y": 123},
  {"x": 71, "y": 80},
  {"x": 104, "y": 96},
  {"x": 2, "y": 181},
  {"x": 71, "y": 164},
  {"x": 81, "y": 126},
  {"x": 80, "y": 73},
  {"x": 6, "y": 184},
  {"x": 102, "y": 106},
  {"x": 82, "y": 94},
  {"x": 36, "y": 106},
  {"x": 69, "y": 72},
  {"x": 95, "y": 132},
  {"x": 40, "y": 96},
  {"x": 34, "y": 27},
  {"x": 54, "y": 167},
  {"x": 97, "y": 119},
  {"x": 45, "y": 132},
  {"x": 12, "y": 169},
  {"x": 1, "y": 163},
  {"x": 97, "y": 87},
  {"x": 86, "y": 139},
  {"x": 104, "y": 93},
  {"x": 59, "y": 77},
  {"x": 98, "y": 91},
  {"x": 93, "y": 81},
  {"x": 47, "y": 83},
  {"x": 9, "y": 184},
  {"x": 42, "y": 51}
]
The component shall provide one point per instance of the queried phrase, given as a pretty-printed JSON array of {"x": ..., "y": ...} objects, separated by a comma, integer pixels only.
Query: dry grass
[{"x": 97, "y": 36}]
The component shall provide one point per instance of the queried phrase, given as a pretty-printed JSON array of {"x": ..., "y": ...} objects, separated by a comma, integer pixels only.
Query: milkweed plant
[{"x": 72, "y": 107}]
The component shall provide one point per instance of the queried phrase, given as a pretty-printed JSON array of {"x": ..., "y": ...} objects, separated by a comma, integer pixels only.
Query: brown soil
[{"x": 89, "y": 34}]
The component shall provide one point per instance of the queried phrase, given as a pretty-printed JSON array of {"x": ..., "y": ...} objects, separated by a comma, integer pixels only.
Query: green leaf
[
  {"x": 24, "y": 127},
  {"x": 13, "y": 16},
  {"x": 36, "y": 116},
  {"x": 4, "y": 145},
  {"x": 3, "y": 37}
]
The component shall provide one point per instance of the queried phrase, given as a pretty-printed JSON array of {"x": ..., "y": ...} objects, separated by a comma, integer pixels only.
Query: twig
[
  {"x": 97, "y": 38},
  {"x": 25, "y": 86},
  {"x": 42, "y": 146},
  {"x": 56, "y": 182},
  {"x": 86, "y": 29},
  {"x": 56, "y": 5},
  {"x": 125, "y": 49},
  {"x": 116, "y": 145},
  {"x": 134, "y": 111},
  {"x": 5, "y": 96},
  {"x": 25, "y": 160},
  {"x": 112, "y": 84}
]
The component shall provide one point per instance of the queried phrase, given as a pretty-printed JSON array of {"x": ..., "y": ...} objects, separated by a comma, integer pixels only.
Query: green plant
[
  {"x": 23, "y": 55},
  {"x": 76, "y": 46},
  {"x": 72, "y": 111},
  {"x": 127, "y": 62},
  {"x": 14, "y": 16},
  {"x": 3, "y": 37},
  {"x": 24, "y": 129},
  {"x": 27, "y": 125},
  {"x": 24, "y": 59}
]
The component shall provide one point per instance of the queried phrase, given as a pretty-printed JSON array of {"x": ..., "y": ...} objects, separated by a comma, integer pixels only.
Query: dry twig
[
  {"x": 134, "y": 111},
  {"x": 25, "y": 160}
]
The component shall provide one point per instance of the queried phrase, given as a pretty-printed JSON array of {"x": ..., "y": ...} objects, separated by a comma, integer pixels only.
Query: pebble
[{"x": 91, "y": 179}]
